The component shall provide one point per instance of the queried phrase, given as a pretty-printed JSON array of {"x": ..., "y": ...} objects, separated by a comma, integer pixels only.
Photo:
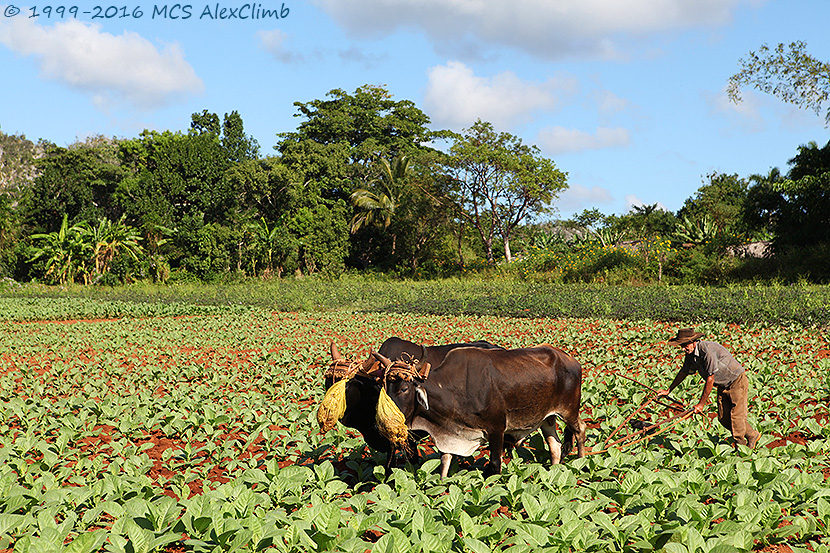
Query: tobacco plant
[{"x": 194, "y": 429}]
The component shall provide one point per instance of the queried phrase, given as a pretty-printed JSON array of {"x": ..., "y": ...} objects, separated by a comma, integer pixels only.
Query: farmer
[{"x": 720, "y": 370}]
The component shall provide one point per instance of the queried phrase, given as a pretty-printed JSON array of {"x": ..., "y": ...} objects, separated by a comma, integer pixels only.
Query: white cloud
[
  {"x": 541, "y": 27},
  {"x": 273, "y": 42},
  {"x": 108, "y": 67},
  {"x": 745, "y": 115},
  {"x": 559, "y": 140},
  {"x": 578, "y": 197},
  {"x": 609, "y": 103},
  {"x": 455, "y": 96},
  {"x": 632, "y": 201}
]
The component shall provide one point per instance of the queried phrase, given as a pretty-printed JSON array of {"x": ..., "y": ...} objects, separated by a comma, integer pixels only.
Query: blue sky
[{"x": 626, "y": 96}]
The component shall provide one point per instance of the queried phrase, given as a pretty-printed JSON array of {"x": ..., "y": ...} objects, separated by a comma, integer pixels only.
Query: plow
[{"x": 645, "y": 430}]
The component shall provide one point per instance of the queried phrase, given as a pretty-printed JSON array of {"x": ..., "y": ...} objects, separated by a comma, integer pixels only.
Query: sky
[{"x": 625, "y": 96}]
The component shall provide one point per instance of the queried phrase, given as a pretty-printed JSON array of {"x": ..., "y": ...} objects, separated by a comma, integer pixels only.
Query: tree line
[
  {"x": 362, "y": 184},
  {"x": 358, "y": 184}
]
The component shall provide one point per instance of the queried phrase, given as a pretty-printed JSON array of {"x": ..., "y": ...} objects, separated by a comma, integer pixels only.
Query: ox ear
[
  {"x": 335, "y": 353},
  {"x": 421, "y": 396}
]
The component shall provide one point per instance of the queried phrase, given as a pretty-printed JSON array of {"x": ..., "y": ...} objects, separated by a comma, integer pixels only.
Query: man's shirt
[{"x": 711, "y": 358}]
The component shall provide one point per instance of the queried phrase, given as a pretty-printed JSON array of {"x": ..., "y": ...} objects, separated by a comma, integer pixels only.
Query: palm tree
[
  {"x": 378, "y": 206},
  {"x": 108, "y": 239},
  {"x": 267, "y": 237},
  {"x": 65, "y": 252}
]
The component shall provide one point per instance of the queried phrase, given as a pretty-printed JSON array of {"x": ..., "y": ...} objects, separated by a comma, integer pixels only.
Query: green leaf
[
  {"x": 8, "y": 522},
  {"x": 87, "y": 542}
]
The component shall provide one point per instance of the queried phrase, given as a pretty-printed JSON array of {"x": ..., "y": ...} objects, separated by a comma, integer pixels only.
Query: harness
[
  {"x": 408, "y": 368},
  {"x": 344, "y": 369}
]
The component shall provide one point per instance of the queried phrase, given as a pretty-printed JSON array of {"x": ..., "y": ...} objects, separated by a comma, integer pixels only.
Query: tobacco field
[{"x": 194, "y": 429}]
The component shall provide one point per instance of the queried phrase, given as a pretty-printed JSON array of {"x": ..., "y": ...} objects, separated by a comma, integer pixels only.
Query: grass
[{"x": 804, "y": 305}]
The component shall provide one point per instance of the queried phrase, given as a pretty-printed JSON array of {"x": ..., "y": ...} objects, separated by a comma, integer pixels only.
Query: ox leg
[
  {"x": 575, "y": 428},
  {"x": 496, "y": 450},
  {"x": 446, "y": 459},
  {"x": 551, "y": 435},
  {"x": 580, "y": 430},
  {"x": 390, "y": 460}
]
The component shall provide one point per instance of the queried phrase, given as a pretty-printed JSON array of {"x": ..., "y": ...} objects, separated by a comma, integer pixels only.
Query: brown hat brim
[{"x": 678, "y": 341}]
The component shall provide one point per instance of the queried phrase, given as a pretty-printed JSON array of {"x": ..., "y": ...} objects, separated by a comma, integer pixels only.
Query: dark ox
[
  {"x": 477, "y": 396},
  {"x": 362, "y": 390}
]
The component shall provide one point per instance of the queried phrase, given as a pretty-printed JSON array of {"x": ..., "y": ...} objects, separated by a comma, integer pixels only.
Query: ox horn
[
  {"x": 424, "y": 370},
  {"x": 369, "y": 364},
  {"x": 335, "y": 353},
  {"x": 383, "y": 359}
]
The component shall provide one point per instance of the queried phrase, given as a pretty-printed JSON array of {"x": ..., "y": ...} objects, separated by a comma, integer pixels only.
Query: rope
[
  {"x": 344, "y": 369},
  {"x": 401, "y": 370}
]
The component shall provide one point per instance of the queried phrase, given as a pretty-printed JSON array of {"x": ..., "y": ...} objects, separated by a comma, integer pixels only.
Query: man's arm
[
  {"x": 681, "y": 374},
  {"x": 707, "y": 391}
]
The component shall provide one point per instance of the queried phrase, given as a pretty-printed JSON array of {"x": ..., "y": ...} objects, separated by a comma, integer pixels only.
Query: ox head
[
  {"x": 402, "y": 381},
  {"x": 345, "y": 369},
  {"x": 346, "y": 385}
]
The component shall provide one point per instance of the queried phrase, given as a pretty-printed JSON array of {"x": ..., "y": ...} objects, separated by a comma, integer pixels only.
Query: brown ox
[
  {"x": 477, "y": 396},
  {"x": 362, "y": 390}
]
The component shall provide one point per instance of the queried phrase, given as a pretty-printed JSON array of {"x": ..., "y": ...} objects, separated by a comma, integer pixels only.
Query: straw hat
[{"x": 685, "y": 336}]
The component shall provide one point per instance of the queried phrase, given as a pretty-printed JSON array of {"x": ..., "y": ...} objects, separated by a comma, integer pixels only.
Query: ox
[
  {"x": 478, "y": 396},
  {"x": 363, "y": 389}
]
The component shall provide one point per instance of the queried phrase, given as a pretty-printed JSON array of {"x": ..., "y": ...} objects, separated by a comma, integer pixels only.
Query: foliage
[
  {"x": 321, "y": 238},
  {"x": 695, "y": 232},
  {"x": 788, "y": 73},
  {"x": 172, "y": 174},
  {"x": 197, "y": 433},
  {"x": 501, "y": 183},
  {"x": 65, "y": 252},
  {"x": 719, "y": 202},
  {"x": 378, "y": 207},
  {"x": 78, "y": 181},
  {"x": 358, "y": 186},
  {"x": 795, "y": 208},
  {"x": 84, "y": 251},
  {"x": 341, "y": 135}
]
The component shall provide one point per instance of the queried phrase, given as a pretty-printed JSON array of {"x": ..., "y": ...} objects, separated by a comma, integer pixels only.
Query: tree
[
  {"x": 335, "y": 149},
  {"x": 237, "y": 145},
  {"x": 171, "y": 174},
  {"x": 786, "y": 72},
  {"x": 796, "y": 208},
  {"x": 268, "y": 240},
  {"x": 108, "y": 239},
  {"x": 378, "y": 206},
  {"x": 65, "y": 252},
  {"x": 341, "y": 136},
  {"x": 322, "y": 238},
  {"x": 500, "y": 183},
  {"x": 77, "y": 181},
  {"x": 714, "y": 215}
]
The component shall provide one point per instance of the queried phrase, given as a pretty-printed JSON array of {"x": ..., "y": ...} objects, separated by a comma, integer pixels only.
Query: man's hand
[
  {"x": 662, "y": 393},
  {"x": 699, "y": 408}
]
